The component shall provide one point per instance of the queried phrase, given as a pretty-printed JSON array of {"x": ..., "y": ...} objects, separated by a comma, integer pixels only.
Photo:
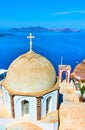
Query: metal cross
[{"x": 30, "y": 37}]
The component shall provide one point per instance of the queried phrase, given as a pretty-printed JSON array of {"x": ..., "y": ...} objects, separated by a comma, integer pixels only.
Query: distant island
[
  {"x": 38, "y": 29},
  {"x": 6, "y": 34}
]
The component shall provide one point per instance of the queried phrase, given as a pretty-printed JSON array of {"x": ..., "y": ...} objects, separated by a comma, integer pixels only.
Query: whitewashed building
[{"x": 30, "y": 87}]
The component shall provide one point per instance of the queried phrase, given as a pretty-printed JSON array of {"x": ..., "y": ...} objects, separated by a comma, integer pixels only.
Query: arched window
[
  {"x": 64, "y": 73},
  {"x": 49, "y": 104},
  {"x": 25, "y": 107}
]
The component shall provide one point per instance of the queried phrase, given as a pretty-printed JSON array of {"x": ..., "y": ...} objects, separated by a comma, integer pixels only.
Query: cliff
[{"x": 79, "y": 71}]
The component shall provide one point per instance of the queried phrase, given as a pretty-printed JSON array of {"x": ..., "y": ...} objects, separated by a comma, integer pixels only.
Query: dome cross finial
[{"x": 30, "y": 37}]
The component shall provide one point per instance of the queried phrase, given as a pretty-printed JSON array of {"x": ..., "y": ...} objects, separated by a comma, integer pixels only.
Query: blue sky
[{"x": 46, "y": 13}]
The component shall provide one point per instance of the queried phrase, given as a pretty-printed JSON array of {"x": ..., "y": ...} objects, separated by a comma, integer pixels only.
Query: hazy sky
[{"x": 46, "y": 13}]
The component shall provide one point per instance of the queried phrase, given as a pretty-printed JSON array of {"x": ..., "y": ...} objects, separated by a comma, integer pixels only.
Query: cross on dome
[{"x": 30, "y": 37}]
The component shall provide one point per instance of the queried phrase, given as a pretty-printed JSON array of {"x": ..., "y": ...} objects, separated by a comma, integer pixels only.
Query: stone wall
[{"x": 72, "y": 116}]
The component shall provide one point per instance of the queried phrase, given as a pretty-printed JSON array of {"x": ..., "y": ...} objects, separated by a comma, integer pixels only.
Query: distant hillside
[
  {"x": 42, "y": 29},
  {"x": 29, "y": 29},
  {"x": 6, "y": 34},
  {"x": 67, "y": 30}
]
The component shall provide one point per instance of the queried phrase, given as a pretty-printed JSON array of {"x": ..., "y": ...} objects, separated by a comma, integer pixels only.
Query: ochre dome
[{"x": 30, "y": 73}]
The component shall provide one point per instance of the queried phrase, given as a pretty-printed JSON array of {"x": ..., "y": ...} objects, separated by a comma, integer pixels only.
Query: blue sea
[{"x": 52, "y": 45}]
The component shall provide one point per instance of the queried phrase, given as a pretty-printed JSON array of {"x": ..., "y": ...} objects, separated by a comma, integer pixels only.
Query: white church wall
[
  {"x": 6, "y": 100},
  {"x": 46, "y": 126},
  {"x": 0, "y": 87},
  {"x": 18, "y": 107},
  {"x": 53, "y": 105}
]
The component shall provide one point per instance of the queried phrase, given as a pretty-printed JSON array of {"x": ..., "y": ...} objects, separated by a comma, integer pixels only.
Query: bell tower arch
[{"x": 64, "y": 69}]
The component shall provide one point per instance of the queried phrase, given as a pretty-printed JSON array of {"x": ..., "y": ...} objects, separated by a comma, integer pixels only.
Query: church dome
[{"x": 30, "y": 73}]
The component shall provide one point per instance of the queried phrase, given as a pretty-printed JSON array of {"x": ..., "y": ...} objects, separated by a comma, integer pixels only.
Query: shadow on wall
[{"x": 60, "y": 99}]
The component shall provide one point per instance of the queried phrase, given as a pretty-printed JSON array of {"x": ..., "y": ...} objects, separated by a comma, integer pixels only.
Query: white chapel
[{"x": 30, "y": 86}]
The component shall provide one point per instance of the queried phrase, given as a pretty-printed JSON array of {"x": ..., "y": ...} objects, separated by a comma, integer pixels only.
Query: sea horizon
[{"x": 52, "y": 45}]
